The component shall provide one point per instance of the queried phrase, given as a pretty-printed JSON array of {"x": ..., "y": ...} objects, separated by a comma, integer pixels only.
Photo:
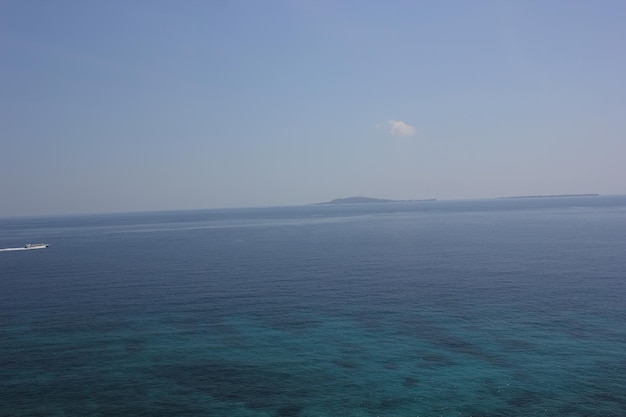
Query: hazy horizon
[
  {"x": 315, "y": 203},
  {"x": 151, "y": 106}
]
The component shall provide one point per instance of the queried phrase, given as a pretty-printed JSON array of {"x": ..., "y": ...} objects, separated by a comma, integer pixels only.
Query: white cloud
[{"x": 399, "y": 128}]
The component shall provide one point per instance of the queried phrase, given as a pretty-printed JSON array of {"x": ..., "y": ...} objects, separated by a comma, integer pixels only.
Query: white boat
[{"x": 36, "y": 246}]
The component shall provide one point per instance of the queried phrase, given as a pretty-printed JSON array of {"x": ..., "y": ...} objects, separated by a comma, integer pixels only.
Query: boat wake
[{"x": 30, "y": 246}]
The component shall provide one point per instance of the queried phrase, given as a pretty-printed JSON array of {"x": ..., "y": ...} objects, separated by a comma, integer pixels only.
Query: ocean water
[{"x": 459, "y": 308}]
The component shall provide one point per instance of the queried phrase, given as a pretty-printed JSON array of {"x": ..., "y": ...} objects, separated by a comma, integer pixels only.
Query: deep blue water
[{"x": 460, "y": 308}]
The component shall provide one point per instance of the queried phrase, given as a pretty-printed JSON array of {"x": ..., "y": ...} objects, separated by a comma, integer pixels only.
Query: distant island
[
  {"x": 554, "y": 196},
  {"x": 367, "y": 200}
]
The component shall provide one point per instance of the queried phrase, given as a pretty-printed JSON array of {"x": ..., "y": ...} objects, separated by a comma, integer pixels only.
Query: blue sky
[{"x": 156, "y": 105}]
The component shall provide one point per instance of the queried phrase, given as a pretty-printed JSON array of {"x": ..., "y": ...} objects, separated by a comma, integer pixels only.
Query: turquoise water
[{"x": 466, "y": 308}]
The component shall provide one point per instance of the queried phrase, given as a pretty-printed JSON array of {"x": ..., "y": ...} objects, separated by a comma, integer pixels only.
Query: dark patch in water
[
  {"x": 518, "y": 345},
  {"x": 449, "y": 342},
  {"x": 289, "y": 322},
  {"x": 458, "y": 345},
  {"x": 239, "y": 382},
  {"x": 410, "y": 382},
  {"x": 76, "y": 323},
  {"x": 351, "y": 349},
  {"x": 346, "y": 364},
  {"x": 523, "y": 399},
  {"x": 492, "y": 388},
  {"x": 134, "y": 345},
  {"x": 568, "y": 410},
  {"x": 298, "y": 324},
  {"x": 387, "y": 404},
  {"x": 431, "y": 360},
  {"x": 600, "y": 397},
  {"x": 290, "y": 411}
]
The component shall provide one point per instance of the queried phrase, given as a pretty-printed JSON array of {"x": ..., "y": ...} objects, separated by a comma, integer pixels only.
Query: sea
[{"x": 503, "y": 307}]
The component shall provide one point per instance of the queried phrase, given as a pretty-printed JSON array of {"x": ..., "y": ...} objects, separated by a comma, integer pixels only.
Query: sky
[{"x": 113, "y": 106}]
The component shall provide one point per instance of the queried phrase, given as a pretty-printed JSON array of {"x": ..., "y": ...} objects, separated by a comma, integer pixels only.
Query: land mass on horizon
[
  {"x": 367, "y": 200},
  {"x": 553, "y": 196}
]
